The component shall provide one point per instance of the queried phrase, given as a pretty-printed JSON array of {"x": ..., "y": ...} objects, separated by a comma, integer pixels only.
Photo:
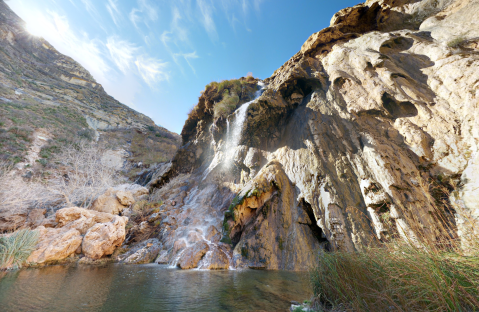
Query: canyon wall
[{"x": 373, "y": 122}]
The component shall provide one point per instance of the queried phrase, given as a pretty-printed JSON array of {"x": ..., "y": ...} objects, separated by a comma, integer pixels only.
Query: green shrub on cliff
[
  {"x": 16, "y": 247},
  {"x": 227, "y": 105}
]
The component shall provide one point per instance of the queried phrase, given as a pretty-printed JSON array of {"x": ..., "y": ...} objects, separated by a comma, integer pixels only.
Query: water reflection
[{"x": 149, "y": 288}]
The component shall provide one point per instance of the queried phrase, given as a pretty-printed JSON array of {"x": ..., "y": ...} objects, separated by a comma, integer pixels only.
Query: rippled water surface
[{"x": 149, "y": 288}]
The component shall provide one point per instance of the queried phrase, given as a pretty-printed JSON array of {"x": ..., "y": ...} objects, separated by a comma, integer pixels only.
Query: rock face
[
  {"x": 144, "y": 252},
  {"x": 352, "y": 137},
  {"x": 95, "y": 234},
  {"x": 35, "y": 77}
]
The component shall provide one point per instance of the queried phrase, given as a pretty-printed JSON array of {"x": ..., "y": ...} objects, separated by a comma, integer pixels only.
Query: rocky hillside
[
  {"x": 373, "y": 122},
  {"x": 48, "y": 100}
]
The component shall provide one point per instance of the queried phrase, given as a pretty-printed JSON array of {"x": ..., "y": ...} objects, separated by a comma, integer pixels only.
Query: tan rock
[
  {"x": 55, "y": 244},
  {"x": 125, "y": 198},
  {"x": 36, "y": 217},
  {"x": 108, "y": 202},
  {"x": 80, "y": 218},
  {"x": 192, "y": 255},
  {"x": 103, "y": 238},
  {"x": 212, "y": 234},
  {"x": 215, "y": 259}
]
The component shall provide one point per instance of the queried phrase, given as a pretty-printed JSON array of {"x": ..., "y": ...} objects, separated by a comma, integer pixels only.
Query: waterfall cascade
[{"x": 233, "y": 134}]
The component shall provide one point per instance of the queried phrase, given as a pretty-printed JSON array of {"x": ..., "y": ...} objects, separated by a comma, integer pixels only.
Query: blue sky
[{"x": 157, "y": 55}]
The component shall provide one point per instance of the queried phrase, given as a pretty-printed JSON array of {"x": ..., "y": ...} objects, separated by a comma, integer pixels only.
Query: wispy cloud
[
  {"x": 144, "y": 8},
  {"x": 89, "y": 7},
  {"x": 152, "y": 70},
  {"x": 206, "y": 10},
  {"x": 188, "y": 57},
  {"x": 112, "y": 8},
  {"x": 122, "y": 52}
]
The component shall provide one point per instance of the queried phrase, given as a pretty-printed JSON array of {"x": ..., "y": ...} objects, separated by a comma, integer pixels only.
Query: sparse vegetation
[
  {"x": 227, "y": 105},
  {"x": 455, "y": 43},
  {"x": 16, "y": 247}
]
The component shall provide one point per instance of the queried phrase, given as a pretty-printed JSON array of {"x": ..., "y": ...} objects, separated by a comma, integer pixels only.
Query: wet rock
[
  {"x": 193, "y": 237},
  {"x": 55, "y": 244},
  {"x": 178, "y": 246},
  {"x": 162, "y": 257},
  {"x": 144, "y": 252},
  {"x": 103, "y": 238},
  {"x": 212, "y": 234},
  {"x": 192, "y": 255},
  {"x": 215, "y": 259}
]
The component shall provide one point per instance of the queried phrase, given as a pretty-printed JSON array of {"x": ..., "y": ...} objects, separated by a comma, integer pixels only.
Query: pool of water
[{"x": 149, "y": 288}]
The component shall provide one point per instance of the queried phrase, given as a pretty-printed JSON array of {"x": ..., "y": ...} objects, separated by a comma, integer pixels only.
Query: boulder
[
  {"x": 103, "y": 238},
  {"x": 215, "y": 259},
  {"x": 55, "y": 244},
  {"x": 81, "y": 219},
  {"x": 162, "y": 257},
  {"x": 12, "y": 220},
  {"x": 192, "y": 255},
  {"x": 36, "y": 217},
  {"x": 108, "y": 202},
  {"x": 144, "y": 252},
  {"x": 135, "y": 189},
  {"x": 193, "y": 237},
  {"x": 125, "y": 198}
]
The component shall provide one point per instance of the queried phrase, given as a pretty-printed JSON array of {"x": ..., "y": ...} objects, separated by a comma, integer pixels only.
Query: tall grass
[
  {"x": 16, "y": 247},
  {"x": 419, "y": 273}
]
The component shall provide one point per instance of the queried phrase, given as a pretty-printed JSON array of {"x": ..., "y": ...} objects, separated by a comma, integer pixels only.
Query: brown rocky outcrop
[
  {"x": 55, "y": 244},
  {"x": 351, "y": 137},
  {"x": 81, "y": 231},
  {"x": 116, "y": 199},
  {"x": 103, "y": 238}
]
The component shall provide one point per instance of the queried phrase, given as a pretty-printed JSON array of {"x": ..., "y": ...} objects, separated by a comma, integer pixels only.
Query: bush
[
  {"x": 400, "y": 276},
  {"x": 410, "y": 272},
  {"x": 456, "y": 42},
  {"x": 227, "y": 105},
  {"x": 16, "y": 248}
]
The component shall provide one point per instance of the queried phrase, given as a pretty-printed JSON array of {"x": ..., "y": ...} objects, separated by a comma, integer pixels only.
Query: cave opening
[{"x": 315, "y": 229}]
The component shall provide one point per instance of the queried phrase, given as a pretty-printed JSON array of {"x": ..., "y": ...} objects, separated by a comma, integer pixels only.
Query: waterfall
[
  {"x": 233, "y": 134},
  {"x": 233, "y": 139}
]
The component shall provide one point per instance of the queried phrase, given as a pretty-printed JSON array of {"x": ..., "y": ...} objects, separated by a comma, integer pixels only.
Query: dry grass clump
[
  {"x": 404, "y": 273},
  {"x": 16, "y": 247}
]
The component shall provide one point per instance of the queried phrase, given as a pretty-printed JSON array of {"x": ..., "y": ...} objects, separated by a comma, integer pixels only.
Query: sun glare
[{"x": 34, "y": 29}]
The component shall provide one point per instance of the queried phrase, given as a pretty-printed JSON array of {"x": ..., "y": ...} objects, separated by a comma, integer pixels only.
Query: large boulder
[
  {"x": 192, "y": 255},
  {"x": 108, "y": 202},
  {"x": 215, "y": 259},
  {"x": 103, "y": 238},
  {"x": 116, "y": 199},
  {"x": 55, "y": 244},
  {"x": 81, "y": 219}
]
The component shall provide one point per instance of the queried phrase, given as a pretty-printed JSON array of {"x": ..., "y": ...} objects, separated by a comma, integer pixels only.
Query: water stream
[
  {"x": 149, "y": 287},
  {"x": 233, "y": 134}
]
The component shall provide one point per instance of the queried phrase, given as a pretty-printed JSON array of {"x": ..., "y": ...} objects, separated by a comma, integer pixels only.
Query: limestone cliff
[
  {"x": 41, "y": 88},
  {"x": 360, "y": 128}
]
